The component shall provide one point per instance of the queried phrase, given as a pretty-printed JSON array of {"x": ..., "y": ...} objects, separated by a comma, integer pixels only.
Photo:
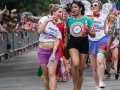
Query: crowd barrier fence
[{"x": 18, "y": 41}]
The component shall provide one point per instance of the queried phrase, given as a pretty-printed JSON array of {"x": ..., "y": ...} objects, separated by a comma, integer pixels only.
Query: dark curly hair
[{"x": 80, "y": 4}]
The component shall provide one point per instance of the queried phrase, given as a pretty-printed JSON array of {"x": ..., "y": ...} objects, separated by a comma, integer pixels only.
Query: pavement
[{"x": 20, "y": 73}]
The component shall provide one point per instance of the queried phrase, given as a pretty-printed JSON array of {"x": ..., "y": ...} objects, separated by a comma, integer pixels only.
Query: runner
[
  {"x": 79, "y": 27},
  {"x": 49, "y": 40}
]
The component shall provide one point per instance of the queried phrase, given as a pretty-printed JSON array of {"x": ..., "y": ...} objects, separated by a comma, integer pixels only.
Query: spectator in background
[
  {"x": 69, "y": 11},
  {"x": 117, "y": 5},
  {"x": 2, "y": 11},
  {"x": 3, "y": 27}
]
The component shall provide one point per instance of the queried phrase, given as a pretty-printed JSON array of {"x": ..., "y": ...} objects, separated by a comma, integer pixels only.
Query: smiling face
[
  {"x": 95, "y": 7},
  {"x": 76, "y": 9},
  {"x": 58, "y": 12}
]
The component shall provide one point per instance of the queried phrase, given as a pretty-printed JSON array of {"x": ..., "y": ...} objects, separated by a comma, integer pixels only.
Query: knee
[
  {"x": 100, "y": 62},
  {"x": 46, "y": 77},
  {"x": 75, "y": 66},
  {"x": 115, "y": 58},
  {"x": 52, "y": 75}
]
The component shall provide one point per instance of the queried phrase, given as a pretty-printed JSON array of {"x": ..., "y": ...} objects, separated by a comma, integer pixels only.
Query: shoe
[
  {"x": 101, "y": 85},
  {"x": 97, "y": 88},
  {"x": 116, "y": 76},
  {"x": 108, "y": 76},
  {"x": 106, "y": 72}
]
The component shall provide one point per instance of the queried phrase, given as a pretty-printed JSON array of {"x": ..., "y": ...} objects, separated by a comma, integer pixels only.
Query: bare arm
[
  {"x": 56, "y": 43},
  {"x": 66, "y": 37},
  {"x": 91, "y": 32},
  {"x": 105, "y": 31},
  {"x": 43, "y": 25},
  {"x": 110, "y": 42},
  {"x": 3, "y": 10},
  {"x": 37, "y": 18},
  {"x": 3, "y": 31}
]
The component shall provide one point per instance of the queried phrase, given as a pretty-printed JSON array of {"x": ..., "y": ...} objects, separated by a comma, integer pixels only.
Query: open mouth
[{"x": 74, "y": 12}]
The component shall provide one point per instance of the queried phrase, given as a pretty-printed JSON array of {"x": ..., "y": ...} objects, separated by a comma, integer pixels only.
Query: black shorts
[{"x": 80, "y": 43}]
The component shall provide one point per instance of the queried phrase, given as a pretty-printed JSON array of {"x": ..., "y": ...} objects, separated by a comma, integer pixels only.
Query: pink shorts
[{"x": 44, "y": 54}]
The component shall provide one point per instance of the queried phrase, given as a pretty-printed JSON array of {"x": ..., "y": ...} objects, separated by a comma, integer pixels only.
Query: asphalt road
[{"x": 20, "y": 73}]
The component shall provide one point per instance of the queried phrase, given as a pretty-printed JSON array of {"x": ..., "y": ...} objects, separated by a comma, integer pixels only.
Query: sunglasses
[{"x": 94, "y": 5}]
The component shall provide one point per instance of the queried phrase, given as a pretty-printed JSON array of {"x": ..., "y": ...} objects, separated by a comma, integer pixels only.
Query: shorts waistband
[{"x": 45, "y": 49}]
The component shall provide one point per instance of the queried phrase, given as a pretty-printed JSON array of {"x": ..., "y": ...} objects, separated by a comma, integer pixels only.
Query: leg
[
  {"x": 46, "y": 78},
  {"x": 94, "y": 68},
  {"x": 74, "y": 54},
  {"x": 108, "y": 67},
  {"x": 100, "y": 69},
  {"x": 115, "y": 58},
  {"x": 83, "y": 58},
  {"x": 52, "y": 76}
]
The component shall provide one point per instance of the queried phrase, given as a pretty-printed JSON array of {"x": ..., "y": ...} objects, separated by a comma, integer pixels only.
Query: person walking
[
  {"x": 50, "y": 37},
  {"x": 114, "y": 50},
  {"x": 98, "y": 45},
  {"x": 79, "y": 26}
]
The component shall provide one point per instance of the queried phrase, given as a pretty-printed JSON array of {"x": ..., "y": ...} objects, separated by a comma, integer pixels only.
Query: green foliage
[{"x": 35, "y": 6}]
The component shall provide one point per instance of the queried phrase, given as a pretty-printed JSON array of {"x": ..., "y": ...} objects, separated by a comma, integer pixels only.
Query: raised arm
[
  {"x": 3, "y": 10},
  {"x": 43, "y": 25}
]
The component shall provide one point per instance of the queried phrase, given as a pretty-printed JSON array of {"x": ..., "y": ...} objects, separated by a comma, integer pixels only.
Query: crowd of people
[
  {"x": 96, "y": 36},
  {"x": 13, "y": 22},
  {"x": 10, "y": 21}
]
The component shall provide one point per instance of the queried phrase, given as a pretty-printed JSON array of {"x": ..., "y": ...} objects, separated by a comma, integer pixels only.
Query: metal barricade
[
  {"x": 1, "y": 39},
  {"x": 18, "y": 41}
]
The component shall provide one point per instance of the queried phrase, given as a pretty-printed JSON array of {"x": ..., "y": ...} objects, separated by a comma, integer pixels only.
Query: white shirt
[
  {"x": 50, "y": 33},
  {"x": 99, "y": 28}
]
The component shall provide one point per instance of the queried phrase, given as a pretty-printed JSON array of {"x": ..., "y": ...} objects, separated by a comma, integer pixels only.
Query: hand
[
  {"x": 64, "y": 45},
  {"x": 106, "y": 32},
  {"x": 52, "y": 18},
  {"x": 5, "y": 8},
  {"x": 52, "y": 57}
]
